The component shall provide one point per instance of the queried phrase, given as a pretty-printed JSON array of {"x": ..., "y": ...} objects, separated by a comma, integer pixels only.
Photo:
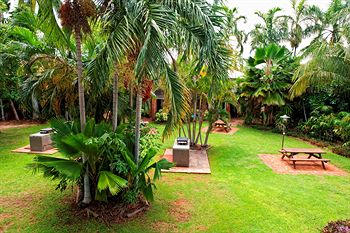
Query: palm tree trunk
[
  {"x": 138, "y": 124},
  {"x": 115, "y": 100},
  {"x": 35, "y": 106},
  {"x": 33, "y": 5},
  {"x": 87, "y": 193},
  {"x": 304, "y": 110},
  {"x": 131, "y": 97},
  {"x": 194, "y": 119},
  {"x": 2, "y": 110},
  {"x": 210, "y": 127},
  {"x": 80, "y": 84},
  {"x": 14, "y": 110},
  {"x": 200, "y": 120}
]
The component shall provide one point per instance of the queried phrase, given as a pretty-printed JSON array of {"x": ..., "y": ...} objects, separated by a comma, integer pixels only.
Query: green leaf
[
  {"x": 68, "y": 168},
  {"x": 110, "y": 181}
]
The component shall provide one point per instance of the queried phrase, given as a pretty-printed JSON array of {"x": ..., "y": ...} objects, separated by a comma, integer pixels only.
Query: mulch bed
[
  {"x": 110, "y": 213},
  {"x": 285, "y": 166}
]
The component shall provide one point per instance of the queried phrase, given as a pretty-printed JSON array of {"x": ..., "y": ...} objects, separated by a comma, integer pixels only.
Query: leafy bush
[
  {"x": 341, "y": 226},
  {"x": 161, "y": 116},
  {"x": 113, "y": 172},
  {"x": 330, "y": 127}
]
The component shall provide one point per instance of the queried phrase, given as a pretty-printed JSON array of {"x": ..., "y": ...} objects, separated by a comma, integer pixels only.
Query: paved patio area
[
  {"x": 26, "y": 149},
  {"x": 199, "y": 162},
  {"x": 285, "y": 166}
]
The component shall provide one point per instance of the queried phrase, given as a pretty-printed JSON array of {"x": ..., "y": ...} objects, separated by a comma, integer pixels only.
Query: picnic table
[
  {"x": 311, "y": 152},
  {"x": 222, "y": 124}
]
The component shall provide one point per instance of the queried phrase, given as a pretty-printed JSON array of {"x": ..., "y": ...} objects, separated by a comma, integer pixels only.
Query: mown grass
[{"x": 241, "y": 195}]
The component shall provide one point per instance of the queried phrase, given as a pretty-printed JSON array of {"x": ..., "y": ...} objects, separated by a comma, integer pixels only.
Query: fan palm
[{"x": 266, "y": 81}]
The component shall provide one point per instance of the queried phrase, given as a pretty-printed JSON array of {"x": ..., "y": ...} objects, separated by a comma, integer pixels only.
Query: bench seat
[{"x": 323, "y": 161}]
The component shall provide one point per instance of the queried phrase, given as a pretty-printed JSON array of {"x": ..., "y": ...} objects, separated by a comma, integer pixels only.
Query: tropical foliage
[
  {"x": 266, "y": 83},
  {"x": 112, "y": 171},
  {"x": 103, "y": 60}
]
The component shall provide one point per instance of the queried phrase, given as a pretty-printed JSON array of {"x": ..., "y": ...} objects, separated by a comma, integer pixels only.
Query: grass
[{"x": 241, "y": 195}]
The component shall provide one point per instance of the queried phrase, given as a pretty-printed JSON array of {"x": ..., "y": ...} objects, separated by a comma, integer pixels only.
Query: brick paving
[
  {"x": 285, "y": 166},
  {"x": 26, "y": 149},
  {"x": 199, "y": 163}
]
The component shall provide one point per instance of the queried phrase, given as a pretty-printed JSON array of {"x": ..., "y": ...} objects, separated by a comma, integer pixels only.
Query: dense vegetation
[{"x": 97, "y": 65}]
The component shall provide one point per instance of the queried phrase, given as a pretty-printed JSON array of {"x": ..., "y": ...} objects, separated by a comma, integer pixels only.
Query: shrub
[
  {"x": 341, "y": 226},
  {"x": 329, "y": 127},
  {"x": 161, "y": 116},
  {"x": 113, "y": 171}
]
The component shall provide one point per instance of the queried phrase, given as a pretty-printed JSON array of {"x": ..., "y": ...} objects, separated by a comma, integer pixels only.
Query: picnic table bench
[{"x": 311, "y": 152}]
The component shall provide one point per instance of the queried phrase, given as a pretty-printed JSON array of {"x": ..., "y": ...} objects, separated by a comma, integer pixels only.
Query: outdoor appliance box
[
  {"x": 40, "y": 142},
  {"x": 181, "y": 153}
]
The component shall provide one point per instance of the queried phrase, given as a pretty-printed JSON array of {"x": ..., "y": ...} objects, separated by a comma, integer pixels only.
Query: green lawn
[{"x": 241, "y": 195}]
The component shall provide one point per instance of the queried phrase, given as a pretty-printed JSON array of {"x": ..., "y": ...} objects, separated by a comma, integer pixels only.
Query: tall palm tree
[
  {"x": 148, "y": 30},
  {"x": 297, "y": 23},
  {"x": 272, "y": 30},
  {"x": 232, "y": 29},
  {"x": 330, "y": 26},
  {"x": 75, "y": 15}
]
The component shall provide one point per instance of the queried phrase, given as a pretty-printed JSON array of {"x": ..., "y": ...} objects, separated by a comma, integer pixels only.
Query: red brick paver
[{"x": 285, "y": 166}]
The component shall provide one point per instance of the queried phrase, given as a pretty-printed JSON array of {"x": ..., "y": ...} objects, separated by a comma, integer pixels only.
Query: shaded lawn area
[{"x": 241, "y": 195}]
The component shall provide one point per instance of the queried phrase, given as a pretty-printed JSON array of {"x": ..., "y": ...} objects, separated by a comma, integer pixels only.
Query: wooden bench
[{"x": 323, "y": 161}]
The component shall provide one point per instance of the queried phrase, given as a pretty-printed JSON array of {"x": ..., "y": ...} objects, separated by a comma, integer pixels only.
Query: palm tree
[
  {"x": 231, "y": 28},
  {"x": 148, "y": 31},
  {"x": 329, "y": 64},
  {"x": 273, "y": 29},
  {"x": 4, "y": 7},
  {"x": 75, "y": 15},
  {"x": 331, "y": 26},
  {"x": 297, "y": 23}
]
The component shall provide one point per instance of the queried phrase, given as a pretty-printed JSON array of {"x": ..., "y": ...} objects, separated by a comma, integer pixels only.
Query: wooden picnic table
[
  {"x": 311, "y": 152},
  {"x": 219, "y": 123}
]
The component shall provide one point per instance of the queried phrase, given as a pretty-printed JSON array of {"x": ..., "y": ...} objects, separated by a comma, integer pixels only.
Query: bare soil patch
[
  {"x": 162, "y": 227},
  {"x": 16, "y": 208},
  {"x": 179, "y": 209},
  {"x": 17, "y": 124}
]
